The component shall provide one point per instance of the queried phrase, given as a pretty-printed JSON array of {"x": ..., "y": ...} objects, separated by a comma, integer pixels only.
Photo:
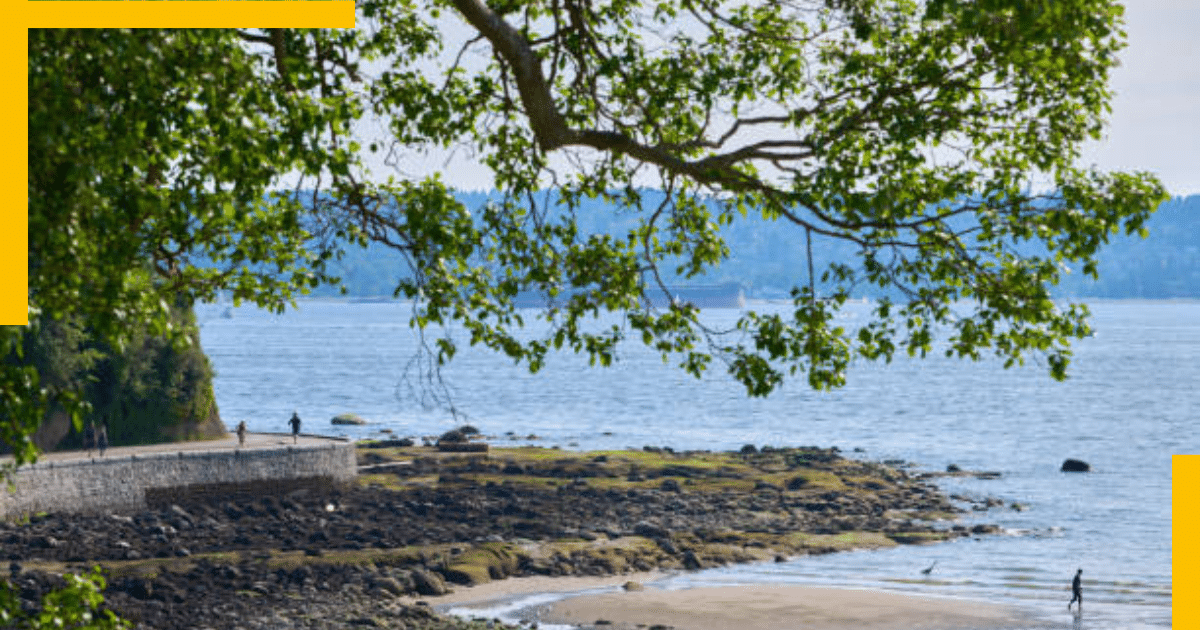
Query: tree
[
  {"x": 154, "y": 162},
  {"x": 938, "y": 139},
  {"x": 77, "y": 605}
]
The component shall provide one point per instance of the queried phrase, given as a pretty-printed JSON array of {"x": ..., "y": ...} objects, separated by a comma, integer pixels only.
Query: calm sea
[{"x": 1132, "y": 401}]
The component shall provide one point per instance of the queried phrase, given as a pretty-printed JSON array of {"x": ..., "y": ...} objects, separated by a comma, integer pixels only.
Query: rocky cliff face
[
  {"x": 155, "y": 389},
  {"x": 158, "y": 389}
]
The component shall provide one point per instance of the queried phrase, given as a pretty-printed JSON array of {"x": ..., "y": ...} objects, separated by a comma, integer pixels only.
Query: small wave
[{"x": 1032, "y": 532}]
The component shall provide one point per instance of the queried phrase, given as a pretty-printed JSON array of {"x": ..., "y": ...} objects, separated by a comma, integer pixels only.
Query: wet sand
[
  {"x": 771, "y": 607},
  {"x": 499, "y": 591},
  {"x": 747, "y": 607}
]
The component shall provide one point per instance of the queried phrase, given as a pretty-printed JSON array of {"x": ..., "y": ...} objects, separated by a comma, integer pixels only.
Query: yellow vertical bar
[
  {"x": 14, "y": 113},
  {"x": 14, "y": 219},
  {"x": 1185, "y": 541}
]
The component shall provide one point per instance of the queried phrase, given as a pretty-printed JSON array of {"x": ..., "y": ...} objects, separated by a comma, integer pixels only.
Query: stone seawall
[{"x": 122, "y": 483}]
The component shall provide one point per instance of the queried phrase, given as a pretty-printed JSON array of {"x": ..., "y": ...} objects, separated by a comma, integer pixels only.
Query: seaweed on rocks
[{"x": 341, "y": 556}]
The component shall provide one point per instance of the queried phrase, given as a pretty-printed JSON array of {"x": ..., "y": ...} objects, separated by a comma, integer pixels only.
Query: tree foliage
[
  {"x": 75, "y": 606},
  {"x": 918, "y": 133},
  {"x": 937, "y": 139},
  {"x": 155, "y": 160}
]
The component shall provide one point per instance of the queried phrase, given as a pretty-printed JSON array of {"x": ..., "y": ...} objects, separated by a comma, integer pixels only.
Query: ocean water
[{"x": 1132, "y": 401}]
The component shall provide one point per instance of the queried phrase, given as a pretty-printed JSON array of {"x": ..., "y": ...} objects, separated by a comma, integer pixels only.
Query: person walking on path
[
  {"x": 102, "y": 438},
  {"x": 89, "y": 437},
  {"x": 1077, "y": 590},
  {"x": 295, "y": 422},
  {"x": 241, "y": 431}
]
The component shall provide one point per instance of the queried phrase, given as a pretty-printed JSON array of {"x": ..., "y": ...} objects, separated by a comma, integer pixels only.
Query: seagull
[{"x": 929, "y": 569}]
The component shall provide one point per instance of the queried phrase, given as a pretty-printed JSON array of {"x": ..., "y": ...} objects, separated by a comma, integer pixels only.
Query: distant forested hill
[
  {"x": 1166, "y": 264},
  {"x": 768, "y": 260}
]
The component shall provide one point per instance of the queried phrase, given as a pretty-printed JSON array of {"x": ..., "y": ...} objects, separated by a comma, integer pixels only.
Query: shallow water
[{"x": 1131, "y": 403}]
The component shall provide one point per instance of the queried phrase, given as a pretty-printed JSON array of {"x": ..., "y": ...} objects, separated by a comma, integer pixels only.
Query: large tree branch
[
  {"x": 550, "y": 127},
  {"x": 547, "y": 122}
]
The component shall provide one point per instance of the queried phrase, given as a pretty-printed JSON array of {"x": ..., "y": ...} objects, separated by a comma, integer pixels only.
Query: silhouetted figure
[
  {"x": 1077, "y": 590},
  {"x": 89, "y": 437},
  {"x": 102, "y": 438},
  {"x": 929, "y": 569},
  {"x": 241, "y": 431},
  {"x": 295, "y": 422}
]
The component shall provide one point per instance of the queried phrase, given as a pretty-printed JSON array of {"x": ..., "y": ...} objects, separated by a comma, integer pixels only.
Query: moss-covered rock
[
  {"x": 347, "y": 418},
  {"x": 490, "y": 561}
]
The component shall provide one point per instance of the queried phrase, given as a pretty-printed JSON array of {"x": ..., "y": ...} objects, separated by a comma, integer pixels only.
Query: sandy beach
[
  {"x": 487, "y": 595},
  {"x": 747, "y": 607},
  {"x": 771, "y": 607}
]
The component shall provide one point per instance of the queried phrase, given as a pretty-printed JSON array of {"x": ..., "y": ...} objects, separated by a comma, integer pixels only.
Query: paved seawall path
[
  {"x": 132, "y": 477},
  {"x": 254, "y": 441}
]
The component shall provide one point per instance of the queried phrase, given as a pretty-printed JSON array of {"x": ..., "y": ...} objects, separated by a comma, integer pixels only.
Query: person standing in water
[
  {"x": 295, "y": 422},
  {"x": 1077, "y": 590}
]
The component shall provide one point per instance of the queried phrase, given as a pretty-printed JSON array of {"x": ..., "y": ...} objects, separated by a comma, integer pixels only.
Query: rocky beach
[{"x": 420, "y": 522}]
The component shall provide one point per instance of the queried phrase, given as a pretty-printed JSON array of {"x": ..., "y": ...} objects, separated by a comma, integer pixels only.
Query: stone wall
[{"x": 121, "y": 483}]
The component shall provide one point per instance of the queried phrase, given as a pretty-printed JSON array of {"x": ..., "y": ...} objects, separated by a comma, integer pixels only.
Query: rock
[
  {"x": 429, "y": 584},
  {"x": 797, "y": 483},
  {"x": 390, "y": 585},
  {"x": 647, "y": 529},
  {"x": 452, "y": 436},
  {"x": 462, "y": 447},
  {"x": 393, "y": 443},
  {"x": 140, "y": 589},
  {"x": 1075, "y": 465},
  {"x": 691, "y": 561},
  {"x": 953, "y": 468},
  {"x": 347, "y": 418},
  {"x": 633, "y": 586}
]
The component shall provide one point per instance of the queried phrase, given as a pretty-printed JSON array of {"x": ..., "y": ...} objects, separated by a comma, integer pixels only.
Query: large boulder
[
  {"x": 1075, "y": 465},
  {"x": 347, "y": 418},
  {"x": 429, "y": 583},
  {"x": 459, "y": 441}
]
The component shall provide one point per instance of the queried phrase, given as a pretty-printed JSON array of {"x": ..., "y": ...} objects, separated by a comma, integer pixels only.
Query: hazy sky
[{"x": 1155, "y": 123}]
